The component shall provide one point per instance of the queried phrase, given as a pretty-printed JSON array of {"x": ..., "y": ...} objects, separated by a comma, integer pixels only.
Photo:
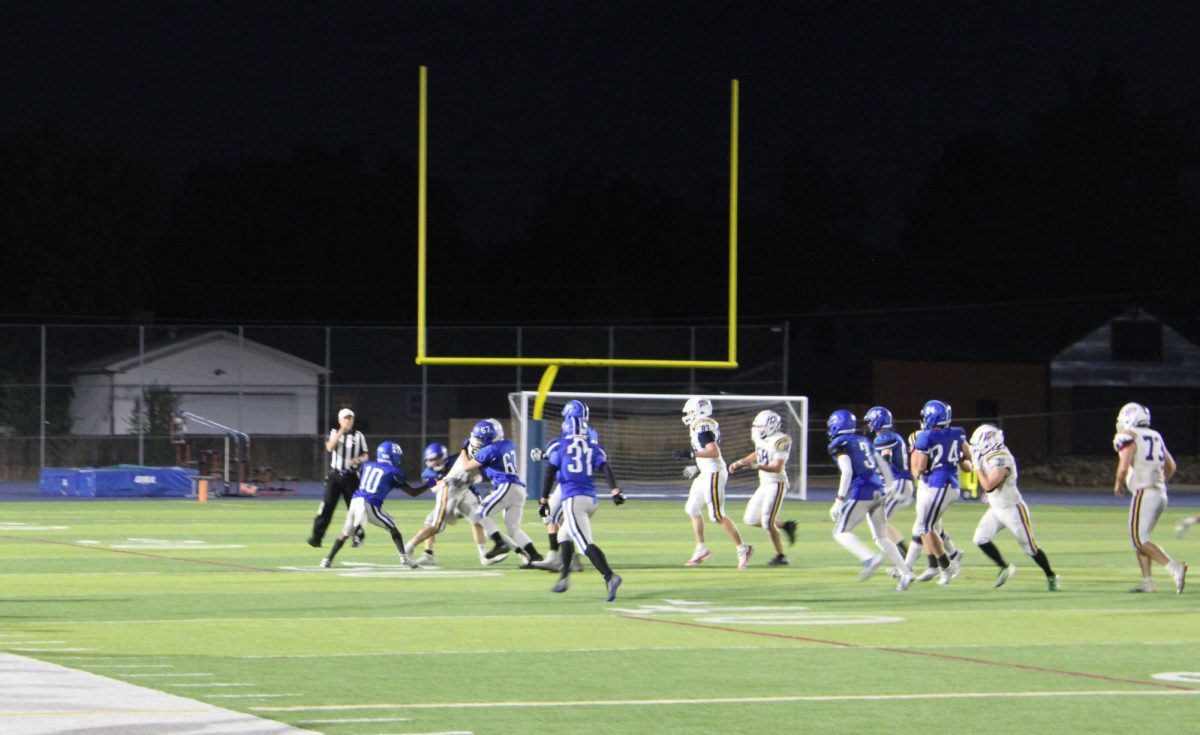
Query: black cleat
[
  {"x": 496, "y": 551},
  {"x": 779, "y": 561},
  {"x": 316, "y": 544},
  {"x": 789, "y": 528}
]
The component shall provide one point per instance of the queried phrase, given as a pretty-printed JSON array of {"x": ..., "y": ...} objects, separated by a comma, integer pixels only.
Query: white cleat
[
  {"x": 407, "y": 561},
  {"x": 928, "y": 574},
  {"x": 869, "y": 567},
  {"x": 427, "y": 561},
  {"x": 494, "y": 560},
  {"x": 1179, "y": 572},
  {"x": 906, "y": 580},
  {"x": 1005, "y": 574},
  {"x": 1146, "y": 585},
  {"x": 325, "y": 564},
  {"x": 744, "y": 553}
]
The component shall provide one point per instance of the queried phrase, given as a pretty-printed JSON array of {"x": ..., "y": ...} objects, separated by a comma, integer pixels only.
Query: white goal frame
[{"x": 520, "y": 404}]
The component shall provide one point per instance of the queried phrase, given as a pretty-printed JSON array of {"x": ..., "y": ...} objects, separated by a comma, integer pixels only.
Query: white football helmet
[
  {"x": 696, "y": 408},
  {"x": 986, "y": 439},
  {"x": 499, "y": 429},
  {"x": 1131, "y": 415},
  {"x": 765, "y": 424}
]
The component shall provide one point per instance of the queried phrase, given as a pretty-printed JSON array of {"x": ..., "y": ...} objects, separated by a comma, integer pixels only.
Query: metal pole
[
  {"x": 424, "y": 403},
  {"x": 328, "y": 379},
  {"x": 692, "y": 356},
  {"x": 144, "y": 414},
  {"x": 42, "y": 423},
  {"x": 787, "y": 329},
  {"x": 241, "y": 375}
]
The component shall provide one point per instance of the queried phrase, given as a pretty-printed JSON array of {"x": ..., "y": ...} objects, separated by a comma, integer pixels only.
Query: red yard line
[
  {"x": 141, "y": 553},
  {"x": 930, "y": 654}
]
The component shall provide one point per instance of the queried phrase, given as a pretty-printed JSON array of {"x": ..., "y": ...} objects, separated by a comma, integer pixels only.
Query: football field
[{"x": 224, "y": 603}]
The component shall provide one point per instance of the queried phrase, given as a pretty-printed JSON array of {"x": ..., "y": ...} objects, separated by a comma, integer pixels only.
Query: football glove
[
  {"x": 535, "y": 454},
  {"x": 683, "y": 454},
  {"x": 836, "y": 509},
  {"x": 690, "y": 472},
  {"x": 618, "y": 497},
  {"x": 543, "y": 508}
]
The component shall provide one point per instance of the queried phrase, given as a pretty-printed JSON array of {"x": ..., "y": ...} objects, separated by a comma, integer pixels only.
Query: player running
[
  {"x": 997, "y": 471},
  {"x": 377, "y": 479},
  {"x": 770, "y": 455},
  {"x": 708, "y": 477},
  {"x": 550, "y": 506},
  {"x": 574, "y": 462},
  {"x": 860, "y": 495},
  {"x": 451, "y": 501},
  {"x": 939, "y": 450},
  {"x": 1144, "y": 466}
]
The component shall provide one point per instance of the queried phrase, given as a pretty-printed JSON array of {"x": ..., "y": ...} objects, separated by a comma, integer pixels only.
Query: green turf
[{"x": 705, "y": 650}]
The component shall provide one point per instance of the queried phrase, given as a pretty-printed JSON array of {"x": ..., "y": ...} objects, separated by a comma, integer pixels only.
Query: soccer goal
[{"x": 639, "y": 430}]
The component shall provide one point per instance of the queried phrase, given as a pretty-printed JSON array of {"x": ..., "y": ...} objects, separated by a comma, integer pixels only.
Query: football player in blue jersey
[
  {"x": 860, "y": 495},
  {"x": 489, "y": 452},
  {"x": 550, "y": 506},
  {"x": 376, "y": 480},
  {"x": 891, "y": 447},
  {"x": 573, "y": 462},
  {"x": 939, "y": 451},
  {"x": 448, "y": 505}
]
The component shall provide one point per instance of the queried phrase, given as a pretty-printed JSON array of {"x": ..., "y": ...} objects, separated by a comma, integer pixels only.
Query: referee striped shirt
[{"x": 348, "y": 447}]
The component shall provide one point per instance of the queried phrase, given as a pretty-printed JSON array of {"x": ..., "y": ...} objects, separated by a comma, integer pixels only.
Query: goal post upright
[{"x": 552, "y": 364}]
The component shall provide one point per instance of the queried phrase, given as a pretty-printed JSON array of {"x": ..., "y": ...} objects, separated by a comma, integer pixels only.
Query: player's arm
[
  {"x": 991, "y": 477},
  {"x": 918, "y": 462},
  {"x": 847, "y": 474},
  {"x": 747, "y": 461},
  {"x": 964, "y": 463},
  {"x": 1124, "y": 460},
  {"x": 335, "y": 434},
  {"x": 549, "y": 478},
  {"x": 710, "y": 449},
  {"x": 885, "y": 470},
  {"x": 614, "y": 490},
  {"x": 1169, "y": 465}
]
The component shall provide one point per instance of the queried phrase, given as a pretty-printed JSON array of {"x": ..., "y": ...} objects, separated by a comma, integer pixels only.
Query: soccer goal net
[{"x": 639, "y": 431}]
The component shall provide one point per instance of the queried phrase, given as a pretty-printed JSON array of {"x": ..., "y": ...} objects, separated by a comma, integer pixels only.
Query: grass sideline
[{"x": 222, "y": 603}]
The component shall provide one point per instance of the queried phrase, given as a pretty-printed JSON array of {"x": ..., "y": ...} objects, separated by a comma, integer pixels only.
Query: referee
[{"x": 348, "y": 450}]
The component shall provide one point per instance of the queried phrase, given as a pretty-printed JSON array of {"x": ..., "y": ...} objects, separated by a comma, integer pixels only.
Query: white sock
[
  {"x": 893, "y": 553},
  {"x": 851, "y": 543},
  {"x": 482, "y": 549}
]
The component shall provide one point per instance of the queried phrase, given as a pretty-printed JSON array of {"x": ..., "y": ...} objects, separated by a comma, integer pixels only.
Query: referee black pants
[{"x": 337, "y": 485}]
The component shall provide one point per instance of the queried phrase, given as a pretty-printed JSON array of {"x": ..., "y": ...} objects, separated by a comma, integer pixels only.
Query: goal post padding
[{"x": 639, "y": 431}]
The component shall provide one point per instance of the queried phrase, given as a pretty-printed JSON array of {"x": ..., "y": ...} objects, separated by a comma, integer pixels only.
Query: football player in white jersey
[
  {"x": 708, "y": 477},
  {"x": 770, "y": 455},
  {"x": 997, "y": 471},
  {"x": 1144, "y": 466}
]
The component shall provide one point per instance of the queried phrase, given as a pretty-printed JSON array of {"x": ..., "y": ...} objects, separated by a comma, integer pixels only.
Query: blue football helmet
[
  {"x": 574, "y": 426},
  {"x": 577, "y": 410},
  {"x": 484, "y": 433},
  {"x": 935, "y": 415},
  {"x": 841, "y": 422},
  {"x": 436, "y": 455},
  {"x": 878, "y": 419},
  {"x": 389, "y": 453}
]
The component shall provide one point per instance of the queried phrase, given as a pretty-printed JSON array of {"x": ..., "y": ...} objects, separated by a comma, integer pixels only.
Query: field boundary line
[
  {"x": 734, "y": 700},
  {"x": 913, "y": 652}
]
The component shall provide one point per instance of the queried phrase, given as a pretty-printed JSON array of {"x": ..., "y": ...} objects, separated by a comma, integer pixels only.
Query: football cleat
[
  {"x": 1052, "y": 583},
  {"x": 1180, "y": 574},
  {"x": 1146, "y": 585},
  {"x": 561, "y": 585},
  {"x": 789, "y": 530},
  {"x": 744, "y": 555},
  {"x": 325, "y": 563},
  {"x": 313, "y": 542},
  {"x": 869, "y": 567},
  {"x": 928, "y": 574},
  {"x": 1005, "y": 574},
  {"x": 698, "y": 557},
  {"x": 612, "y": 586},
  {"x": 779, "y": 560},
  {"x": 906, "y": 580},
  {"x": 488, "y": 561},
  {"x": 427, "y": 560}
]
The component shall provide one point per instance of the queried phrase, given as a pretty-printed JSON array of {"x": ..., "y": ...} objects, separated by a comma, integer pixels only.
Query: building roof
[{"x": 131, "y": 359}]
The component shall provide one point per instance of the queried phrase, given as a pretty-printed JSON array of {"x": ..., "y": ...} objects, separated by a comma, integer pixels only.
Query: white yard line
[
  {"x": 355, "y": 720},
  {"x": 503, "y": 651},
  {"x": 737, "y": 700}
]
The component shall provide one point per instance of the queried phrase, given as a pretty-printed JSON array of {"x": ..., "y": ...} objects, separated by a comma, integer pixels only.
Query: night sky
[{"x": 521, "y": 90}]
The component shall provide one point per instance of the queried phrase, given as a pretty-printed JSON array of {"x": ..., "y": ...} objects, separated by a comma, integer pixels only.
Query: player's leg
[
  {"x": 488, "y": 507},
  {"x": 877, "y": 521},
  {"x": 1021, "y": 527},
  {"x": 989, "y": 524},
  {"x": 932, "y": 539},
  {"x": 694, "y": 506},
  {"x": 715, "y": 498},
  {"x": 376, "y": 515},
  {"x": 551, "y": 519},
  {"x": 1182, "y": 527},
  {"x": 513, "y": 510},
  {"x": 850, "y": 515},
  {"x": 354, "y": 519},
  {"x": 899, "y": 496},
  {"x": 773, "y": 496},
  {"x": 1151, "y": 508}
]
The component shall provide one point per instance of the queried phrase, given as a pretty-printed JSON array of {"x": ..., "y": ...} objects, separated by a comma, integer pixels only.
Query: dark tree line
[{"x": 1097, "y": 195}]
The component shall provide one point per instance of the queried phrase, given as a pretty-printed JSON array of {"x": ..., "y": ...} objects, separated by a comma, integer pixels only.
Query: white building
[{"x": 234, "y": 381}]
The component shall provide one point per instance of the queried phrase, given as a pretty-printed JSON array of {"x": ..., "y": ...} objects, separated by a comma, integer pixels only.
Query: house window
[{"x": 1137, "y": 341}]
